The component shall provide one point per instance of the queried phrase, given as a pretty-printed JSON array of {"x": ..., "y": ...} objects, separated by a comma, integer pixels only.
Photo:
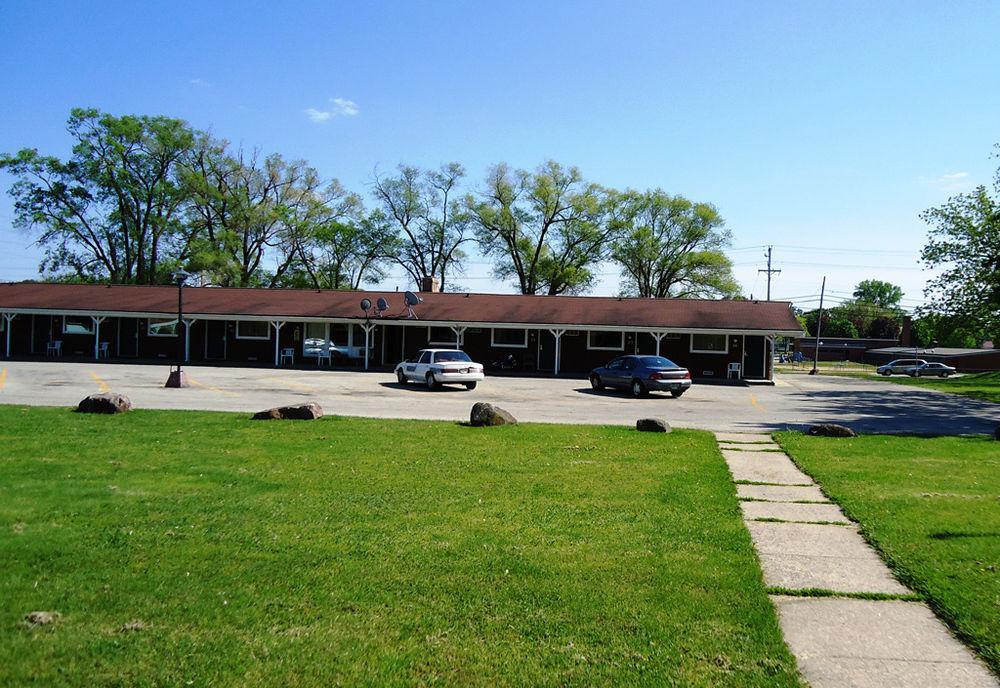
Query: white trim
[
  {"x": 77, "y": 317},
  {"x": 693, "y": 350},
  {"x": 161, "y": 321},
  {"x": 493, "y": 340},
  {"x": 590, "y": 347},
  {"x": 265, "y": 338},
  {"x": 457, "y": 341}
]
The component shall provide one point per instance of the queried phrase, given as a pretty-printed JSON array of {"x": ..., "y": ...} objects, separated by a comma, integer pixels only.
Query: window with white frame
[
  {"x": 159, "y": 327},
  {"x": 709, "y": 344},
  {"x": 340, "y": 335},
  {"x": 78, "y": 325},
  {"x": 316, "y": 341},
  {"x": 511, "y": 338},
  {"x": 444, "y": 336},
  {"x": 253, "y": 329},
  {"x": 606, "y": 341}
]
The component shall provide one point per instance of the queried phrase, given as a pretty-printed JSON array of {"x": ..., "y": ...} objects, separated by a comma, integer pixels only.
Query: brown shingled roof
[{"x": 290, "y": 304}]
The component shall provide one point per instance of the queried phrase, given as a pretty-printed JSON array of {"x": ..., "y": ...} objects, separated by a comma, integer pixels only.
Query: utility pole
[
  {"x": 819, "y": 327},
  {"x": 769, "y": 272}
]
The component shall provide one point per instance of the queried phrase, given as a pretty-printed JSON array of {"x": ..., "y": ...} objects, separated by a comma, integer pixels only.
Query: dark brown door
[{"x": 215, "y": 340}]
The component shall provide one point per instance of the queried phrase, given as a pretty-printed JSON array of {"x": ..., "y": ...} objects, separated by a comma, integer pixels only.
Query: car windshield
[
  {"x": 658, "y": 362},
  {"x": 448, "y": 356}
]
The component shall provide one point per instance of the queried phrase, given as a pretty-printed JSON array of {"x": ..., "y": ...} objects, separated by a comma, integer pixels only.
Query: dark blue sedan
[{"x": 641, "y": 375}]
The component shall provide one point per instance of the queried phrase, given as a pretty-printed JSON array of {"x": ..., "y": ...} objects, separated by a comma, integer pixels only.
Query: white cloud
[
  {"x": 339, "y": 107},
  {"x": 348, "y": 108},
  {"x": 317, "y": 116},
  {"x": 949, "y": 181},
  {"x": 953, "y": 176},
  {"x": 199, "y": 82}
]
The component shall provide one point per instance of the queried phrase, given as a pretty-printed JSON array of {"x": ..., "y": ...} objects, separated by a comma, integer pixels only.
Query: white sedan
[{"x": 436, "y": 367}]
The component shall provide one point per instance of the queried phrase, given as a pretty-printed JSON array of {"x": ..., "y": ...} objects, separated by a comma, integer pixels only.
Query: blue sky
[{"x": 821, "y": 128}]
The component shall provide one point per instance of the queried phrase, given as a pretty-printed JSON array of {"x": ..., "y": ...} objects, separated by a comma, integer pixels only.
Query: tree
[
  {"x": 668, "y": 246},
  {"x": 243, "y": 209},
  {"x": 964, "y": 241},
  {"x": 879, "y": 293},
  {"x": 113, "y": 209},
  {"x": 544, "y": 229},
  {"x": 431, "y": 222}
]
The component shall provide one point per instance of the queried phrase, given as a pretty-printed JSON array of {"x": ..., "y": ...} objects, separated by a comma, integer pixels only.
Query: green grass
[
  {"x": 370, "y": 552},
  {"x": 931, "y": 506},
  {"x": 841, "y": 368},
  {"x": 984, "y": 386}
]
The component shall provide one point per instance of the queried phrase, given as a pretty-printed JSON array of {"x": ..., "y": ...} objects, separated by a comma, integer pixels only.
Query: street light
[{"x": 178, "y": 378}]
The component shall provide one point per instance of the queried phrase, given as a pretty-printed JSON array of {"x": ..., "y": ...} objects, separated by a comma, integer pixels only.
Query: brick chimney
[
  {"x": 430, "y": 283},
  {"x": 906, "y": 336}
]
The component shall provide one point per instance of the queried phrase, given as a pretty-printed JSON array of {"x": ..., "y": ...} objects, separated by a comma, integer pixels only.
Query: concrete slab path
[{"x": 805, "y": 543}]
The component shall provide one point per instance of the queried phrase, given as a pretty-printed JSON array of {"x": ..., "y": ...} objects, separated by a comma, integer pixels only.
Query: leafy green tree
[
  {"x": 113, "y": 210},
  {"x": 946, "y": 330},
  {"x": 668, "y": 246},
  {"x": 430, "y": 220},
  {"x": 878, "y": 293},
  {"x": 544, "y": 229},
  {"x": 964, "y": 242}
]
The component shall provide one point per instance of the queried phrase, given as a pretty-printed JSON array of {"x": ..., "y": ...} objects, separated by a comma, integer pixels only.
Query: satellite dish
[
  {"x": 382, "y": 305},
  {"x": 366, "y": 305},
  {"x": 411, "y": 301}
]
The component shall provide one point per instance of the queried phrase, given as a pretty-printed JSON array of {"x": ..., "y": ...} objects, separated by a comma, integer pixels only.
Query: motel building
[{"x": 554, "y": 335}]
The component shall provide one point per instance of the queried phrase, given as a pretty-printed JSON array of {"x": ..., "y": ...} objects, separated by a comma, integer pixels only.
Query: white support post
[
  {"x": 367, "y": 327},
  {"x": 97, "y": 320},
  {"x": 658, "y": 336},
  {"x": 8, "y": 319},
  {"x": 558, "y": 353},
  {"x": 188, "y": 322},
  {"x": 459, "y": 335},
  {"x": 277, "y": 325}
]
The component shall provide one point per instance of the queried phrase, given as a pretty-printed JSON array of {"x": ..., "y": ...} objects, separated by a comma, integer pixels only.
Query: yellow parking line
[
  {"x": 756, "y": 404},
  {"x": 102, "y": 386},
  {"x": 209, "y": 387},
  {"x": 297, "y": 385},
  {"x": 3, "y": 378}
]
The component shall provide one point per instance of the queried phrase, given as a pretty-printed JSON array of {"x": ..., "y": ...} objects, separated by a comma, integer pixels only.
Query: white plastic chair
[
  {"x": 287, "y": 355},
  {"x": 103, "y": 351},
  {"x": 54, "y": 348},
  {"x": 734, "y": 368}
]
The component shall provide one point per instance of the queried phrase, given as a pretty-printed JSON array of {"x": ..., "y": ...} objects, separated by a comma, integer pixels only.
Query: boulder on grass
[
  {"x": 484, "y": 415},
  {"x": 831, "y": 430},
  {"x": 310, "y": 411},
  {"x": 652, "y": 425},
  {"x": 106, "y": 402}
]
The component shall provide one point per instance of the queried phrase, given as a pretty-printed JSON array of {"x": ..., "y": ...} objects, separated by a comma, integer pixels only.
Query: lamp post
[{"x": 178, "y": 378}]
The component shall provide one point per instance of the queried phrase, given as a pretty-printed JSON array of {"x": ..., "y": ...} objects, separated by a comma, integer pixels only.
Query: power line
[{"x": 769, "y": 272}]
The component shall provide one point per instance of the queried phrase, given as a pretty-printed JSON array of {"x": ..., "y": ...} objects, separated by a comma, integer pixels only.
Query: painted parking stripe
[
  {"x": 102, "y": 386},
  {"x": 209, "y": 387},
  {"x": 756, "y": 404},
  {"x": 3, "y": 378}
]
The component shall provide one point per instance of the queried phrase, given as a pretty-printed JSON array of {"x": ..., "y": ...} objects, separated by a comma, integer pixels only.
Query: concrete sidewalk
[{"x": 805, "y": 544}]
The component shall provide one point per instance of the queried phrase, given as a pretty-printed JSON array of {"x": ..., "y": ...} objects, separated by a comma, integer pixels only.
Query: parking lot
[{"x": 795, "y": 401}]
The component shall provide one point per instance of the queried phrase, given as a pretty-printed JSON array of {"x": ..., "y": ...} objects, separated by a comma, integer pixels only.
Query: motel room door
[
  {"x": 753, "y": 358},
  {"x": 215, "y": 340},
  {"x": 128, "y": 337},
  {"x": 546, "y": 351}
]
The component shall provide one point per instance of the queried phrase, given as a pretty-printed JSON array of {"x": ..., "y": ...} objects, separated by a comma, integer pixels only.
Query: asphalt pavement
[{"x": 796, "y": 401}]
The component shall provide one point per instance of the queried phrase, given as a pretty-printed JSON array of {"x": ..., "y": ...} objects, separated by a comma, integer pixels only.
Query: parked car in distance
[
  {"x": 641, "y": 375},
  {"x": 901, "y": 366},
  {"x": 932, "y": 369},
  {"x": 436, "y": 367}
]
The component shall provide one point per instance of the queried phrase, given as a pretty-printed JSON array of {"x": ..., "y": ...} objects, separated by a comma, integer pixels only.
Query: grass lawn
[
  {"x": 977, "y": 385},
  {"x": 932, "y": 507},
  {"x": 370, "y": 552}
]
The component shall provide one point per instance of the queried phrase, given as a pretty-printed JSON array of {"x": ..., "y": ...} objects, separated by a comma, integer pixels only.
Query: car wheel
[
  {"x": 432, "y": 382},
  {"x": 916, "y": 373},
  {"x": 945, "y": 374},
  {"x": 638, "y": 389},
  {"x": 401, "y": 376},
  {"x": 470, "y": 385},
  {"x": 676, "y": 394},
  {"x": 595, "y": 382}
]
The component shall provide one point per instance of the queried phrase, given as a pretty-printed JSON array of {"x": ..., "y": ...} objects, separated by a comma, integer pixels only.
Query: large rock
[
  {"x": 310, "y": 411},
  {"x": 652, "y": 425},
  {"x": 831, "y": 430},
  {"x": 484, "y": 414},
  {"x": 106, "y": 402}
]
